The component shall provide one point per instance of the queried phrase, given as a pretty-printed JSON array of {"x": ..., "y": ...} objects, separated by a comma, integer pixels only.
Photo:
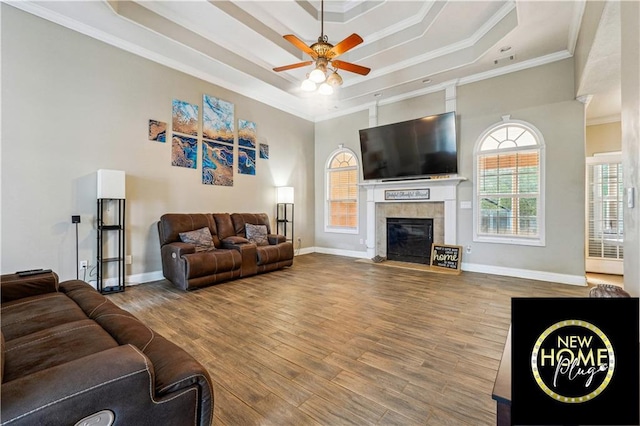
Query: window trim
[
  {"x": 540, "y": 239},
  {"x": 327, "y": 227}
]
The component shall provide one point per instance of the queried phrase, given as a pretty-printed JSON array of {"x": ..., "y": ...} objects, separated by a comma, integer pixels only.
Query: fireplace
[
  {"x": 409, "y": 239},
  {"x": 409, "y": 199}
]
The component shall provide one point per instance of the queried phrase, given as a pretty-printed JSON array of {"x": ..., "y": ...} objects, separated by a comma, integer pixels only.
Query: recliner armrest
[
  {"x": 234, "y": 241},
  {"x": 276, "y": 239},
  {"x": 179, "y": 249},
  {"x": 121, "y": 380},
  {"x": 15, "y": 287},
  {"x": 115, "y": 379}
]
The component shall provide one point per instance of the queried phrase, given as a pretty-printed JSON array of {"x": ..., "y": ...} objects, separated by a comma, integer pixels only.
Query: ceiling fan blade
[
  {"x": 292, "y": 66},
  {"x": 348, "y": 66},
  {"x": 300, "y": 44},
  {"x": 347, "y": 44}
]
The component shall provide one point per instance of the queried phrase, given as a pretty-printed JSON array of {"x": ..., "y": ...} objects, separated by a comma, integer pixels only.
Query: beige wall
[
  {"x": 344, "y": 130},
  {"x": 72, "y": 105},
  {"x": 603, "y": 138},
  {"x": 542, "y": 96},
  {"x": 630, "y": 85}
]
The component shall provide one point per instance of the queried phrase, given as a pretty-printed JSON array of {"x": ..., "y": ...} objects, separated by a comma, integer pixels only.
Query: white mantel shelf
[
  {"x": 441, "y": 190},
  {"x": 413, "y": 183}
]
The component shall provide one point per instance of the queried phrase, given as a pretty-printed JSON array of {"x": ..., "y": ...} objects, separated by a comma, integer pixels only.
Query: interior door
[{"x": 605, "y": 231}]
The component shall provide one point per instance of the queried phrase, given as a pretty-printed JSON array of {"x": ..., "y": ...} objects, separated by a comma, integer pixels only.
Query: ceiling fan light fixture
[
  {"x": 334, "y": 79},
  {"x": 318, "y": 75},
  {"x": 325, "y": 89},
  {"x": 324, "y": 55},
  {"x": 308, "y": 85}
]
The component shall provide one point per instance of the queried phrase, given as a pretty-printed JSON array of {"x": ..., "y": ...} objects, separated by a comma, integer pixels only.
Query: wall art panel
[
  {"x": 217, "y": 164},
  {"x": 185, "y": 117},
  {"x": 184, "y": 151},
  {"x": 217, "y": 119}
]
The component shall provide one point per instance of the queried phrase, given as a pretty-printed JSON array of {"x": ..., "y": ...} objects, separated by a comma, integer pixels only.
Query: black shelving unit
[
  {"x": 284, "y": 220},
  {"x": 110, "y": 258}
]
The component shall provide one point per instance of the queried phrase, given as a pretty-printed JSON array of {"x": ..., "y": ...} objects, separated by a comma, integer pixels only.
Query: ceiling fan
[{"x": 323, "y": 54}]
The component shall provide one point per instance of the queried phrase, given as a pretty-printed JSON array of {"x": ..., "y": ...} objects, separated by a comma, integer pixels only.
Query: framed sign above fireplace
[{"x": 407, "y": 194}]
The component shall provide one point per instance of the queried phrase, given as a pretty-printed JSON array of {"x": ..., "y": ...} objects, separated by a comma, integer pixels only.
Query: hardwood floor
[{"x": 333, "y": 341}]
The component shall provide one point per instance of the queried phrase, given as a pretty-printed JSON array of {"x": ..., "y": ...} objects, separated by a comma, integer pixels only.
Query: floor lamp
[
  {"x": 284, "y": 213},
  {"x": 76, "y": 219}
]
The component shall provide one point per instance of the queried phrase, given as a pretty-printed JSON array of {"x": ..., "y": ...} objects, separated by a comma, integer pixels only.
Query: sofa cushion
[
  {"x": 16, "y": 287},
  {"x": 257, "y": 234},
  {"x": 241, "y": 219},
  {"x": 224, "y": 224},
  {"x": 171, "y": 224},
  {"x": 54, "y": 346},
  {"x": 32, "y": 314},
  {"x": 201, "y": 238}
]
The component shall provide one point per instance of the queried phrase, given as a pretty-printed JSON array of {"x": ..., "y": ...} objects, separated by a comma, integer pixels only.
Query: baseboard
[
  {"x": 144, "y": 278},
  {"x": 340, "y": 252},
  {"x": 486, "y": 269},
  {"x": 306, "y": 250},
  {"x": 134, "y": 279},
  {"x": 526, "y": 273}
]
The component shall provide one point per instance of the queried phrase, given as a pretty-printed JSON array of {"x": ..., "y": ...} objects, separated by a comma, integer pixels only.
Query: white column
[
  {"x": 373, "y": 115},
  {"x": 450, "y": 221},
  {"x": 371, "y": 223},
  {"x": 450, "y": 96}
]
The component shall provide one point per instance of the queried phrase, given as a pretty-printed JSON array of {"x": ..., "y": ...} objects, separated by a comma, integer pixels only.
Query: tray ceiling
[{"x": 412, "y": 47}]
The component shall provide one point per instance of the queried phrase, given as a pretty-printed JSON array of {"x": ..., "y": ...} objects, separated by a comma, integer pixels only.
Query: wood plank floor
[{"x": 333, "y": 341}]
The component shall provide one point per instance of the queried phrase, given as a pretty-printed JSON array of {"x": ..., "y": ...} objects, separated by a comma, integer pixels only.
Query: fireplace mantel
[{"x": 439, "y": 190}]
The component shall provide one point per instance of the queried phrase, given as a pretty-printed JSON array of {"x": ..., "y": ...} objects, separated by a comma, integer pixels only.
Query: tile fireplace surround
[{"x": 408, "y": 199}]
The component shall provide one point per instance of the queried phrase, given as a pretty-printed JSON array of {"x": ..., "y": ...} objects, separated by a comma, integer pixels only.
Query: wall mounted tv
[{"x": 411, "y": 149}]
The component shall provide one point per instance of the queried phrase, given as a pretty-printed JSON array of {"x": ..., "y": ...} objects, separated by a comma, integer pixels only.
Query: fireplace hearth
[{"x": 409, "y": 239}]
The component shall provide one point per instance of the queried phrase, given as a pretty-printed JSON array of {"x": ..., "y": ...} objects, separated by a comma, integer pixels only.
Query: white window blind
[
  {"x": 342, "y": 191},
  {"x": 604, "y": 210},
  {"x": 508, "y": 185}
]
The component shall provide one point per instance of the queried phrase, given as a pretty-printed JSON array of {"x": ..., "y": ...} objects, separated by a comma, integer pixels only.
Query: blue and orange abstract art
[
  {"x": 247, "y": 133},
  {"x": 184, "y": 117},
  {"x": 217, "y": 119},
  {"x": 184, "y": 151},
  {"x": 217, "y": 164},
  {"x": 246, "y": 161}
]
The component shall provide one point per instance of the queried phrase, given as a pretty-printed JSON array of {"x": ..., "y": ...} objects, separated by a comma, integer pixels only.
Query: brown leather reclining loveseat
[
  {"x": 70, "y": 356},
  {"x": 231, "y": 252}
]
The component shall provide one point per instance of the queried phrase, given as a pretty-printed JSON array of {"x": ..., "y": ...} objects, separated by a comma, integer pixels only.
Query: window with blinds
[
  {"x": 342, "y": 191},
  {"x": 604, "y": 210},
  {"x": 508, "y": 186}
]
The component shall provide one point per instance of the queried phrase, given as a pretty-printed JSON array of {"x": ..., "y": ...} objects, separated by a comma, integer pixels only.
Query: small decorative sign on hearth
[
  {"x": 413, "y": 194},
  {"x": 446, "y": 257}
]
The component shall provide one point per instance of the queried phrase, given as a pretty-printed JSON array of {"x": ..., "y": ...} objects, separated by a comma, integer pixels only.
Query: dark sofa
[
  {"x": 70, "y": 354},
  {"x": 232, "y": 254}
]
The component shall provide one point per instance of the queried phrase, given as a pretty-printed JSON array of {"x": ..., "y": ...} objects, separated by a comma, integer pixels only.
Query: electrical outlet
[
  {"x": 84, "y": 264},
  {"x": 468, "y": 248},
  {"x": 128, "y": 259}
]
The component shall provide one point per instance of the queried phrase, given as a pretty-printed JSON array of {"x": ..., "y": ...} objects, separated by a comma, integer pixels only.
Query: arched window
[
  {"x": 341, "y": 210},
  {"x": 509, "y": 184}
]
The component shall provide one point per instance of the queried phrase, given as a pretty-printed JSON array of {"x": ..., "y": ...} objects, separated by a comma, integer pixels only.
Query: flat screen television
[{"x": 410, "y": 149}]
